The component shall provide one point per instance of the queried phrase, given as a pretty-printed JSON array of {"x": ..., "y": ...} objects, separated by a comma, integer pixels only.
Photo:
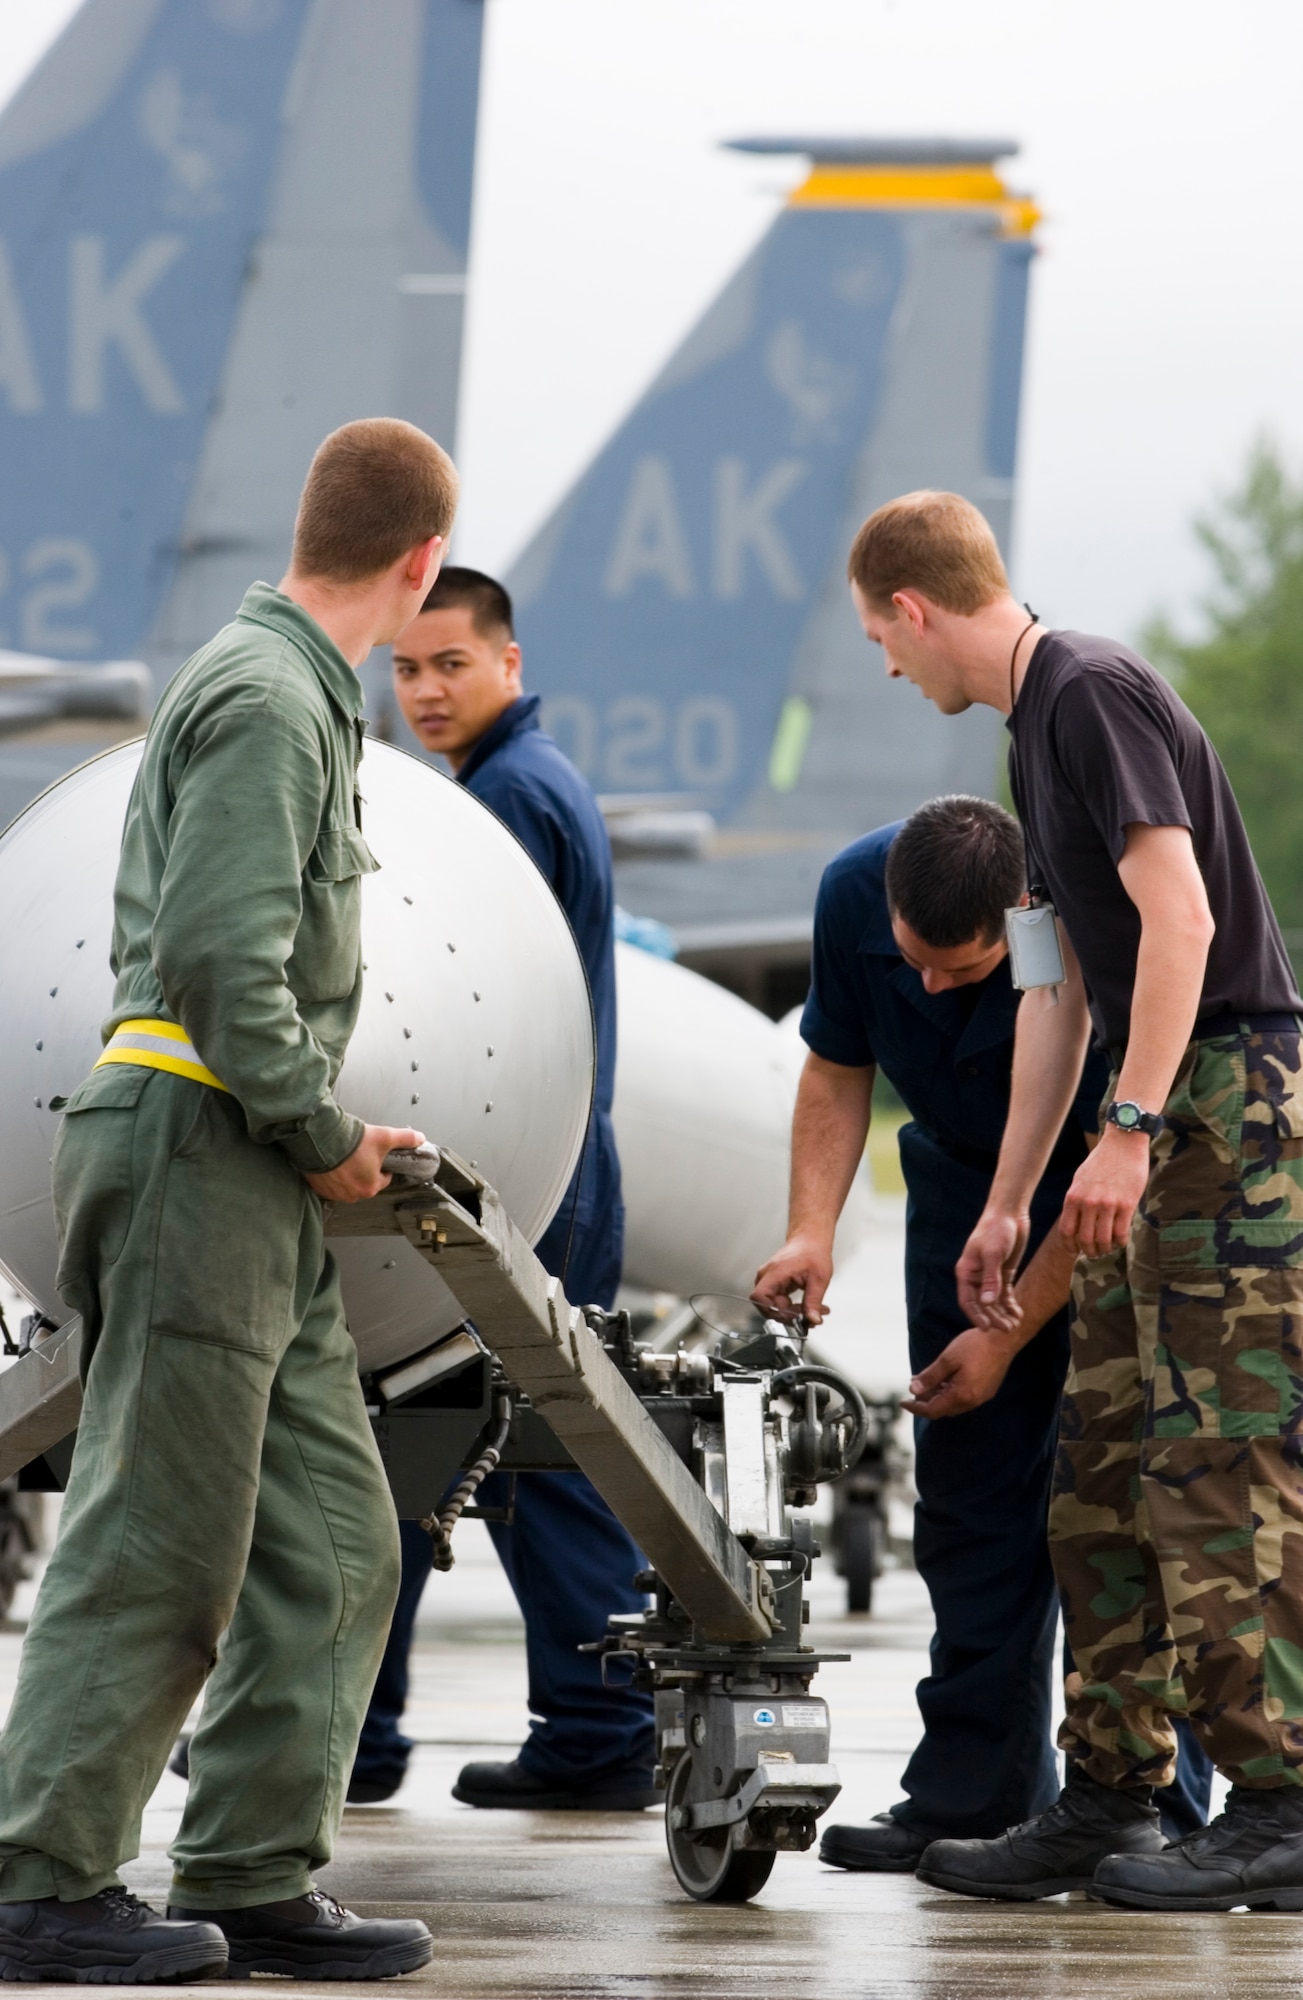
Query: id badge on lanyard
[{"x": 1035, "y": 955}]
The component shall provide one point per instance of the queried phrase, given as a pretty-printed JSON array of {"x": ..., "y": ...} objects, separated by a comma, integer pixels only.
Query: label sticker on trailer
[
  {"x": 764, "y": 1718},
  {"x": 805, "y": 1715}
]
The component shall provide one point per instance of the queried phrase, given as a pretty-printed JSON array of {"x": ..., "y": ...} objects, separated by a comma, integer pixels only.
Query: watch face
[{"x": 1127, "y": 1115}]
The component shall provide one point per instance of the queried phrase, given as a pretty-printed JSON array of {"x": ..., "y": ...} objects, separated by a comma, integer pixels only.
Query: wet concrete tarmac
[{"x": 584, "y": 1907}]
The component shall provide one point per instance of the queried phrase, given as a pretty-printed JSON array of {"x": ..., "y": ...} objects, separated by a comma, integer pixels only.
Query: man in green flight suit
[{"x": 226, "y": 1512}]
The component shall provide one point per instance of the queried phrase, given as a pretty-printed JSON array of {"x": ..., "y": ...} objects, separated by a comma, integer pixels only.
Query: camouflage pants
[{"x": 1176, "y": 1525}]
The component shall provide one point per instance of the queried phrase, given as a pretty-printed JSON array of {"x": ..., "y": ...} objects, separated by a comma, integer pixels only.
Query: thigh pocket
[
  {"x": 92, "y": 1168},
  {"x": 1104, "y": 1394},
  {"x": 1229, "y": 1360},
  {"x": 1273, "y": 1126},
  {"x": 1209, "y": 1092},
  {"x": 230, "y": 1239}
]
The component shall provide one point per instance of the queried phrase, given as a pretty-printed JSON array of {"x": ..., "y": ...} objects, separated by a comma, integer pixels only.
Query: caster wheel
[
  {"x": 707, "y": 1864},
  {"x": 861, "y": 1555}
]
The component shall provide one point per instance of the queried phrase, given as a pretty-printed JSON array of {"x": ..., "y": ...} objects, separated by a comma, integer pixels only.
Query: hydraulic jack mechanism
[{"x": 701, "y": 1455}]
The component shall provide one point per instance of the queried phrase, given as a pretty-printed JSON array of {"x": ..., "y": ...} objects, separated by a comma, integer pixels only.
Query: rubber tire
[
  {"x": 712, "y": 1870},
  {"x": 860, "y": 1554}
]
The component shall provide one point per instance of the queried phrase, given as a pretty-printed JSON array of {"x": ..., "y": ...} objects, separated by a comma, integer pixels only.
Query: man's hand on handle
[
  {"x": 361, "y": 1175},
  {"x": 803, "y": 1266}
]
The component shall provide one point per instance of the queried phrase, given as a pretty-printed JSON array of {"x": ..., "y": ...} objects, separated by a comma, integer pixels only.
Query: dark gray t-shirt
[{"x": 1101, "y": 742}]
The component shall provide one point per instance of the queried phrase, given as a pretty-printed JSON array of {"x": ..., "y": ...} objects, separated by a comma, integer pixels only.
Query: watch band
[{"x": 1129, "y": 1117}]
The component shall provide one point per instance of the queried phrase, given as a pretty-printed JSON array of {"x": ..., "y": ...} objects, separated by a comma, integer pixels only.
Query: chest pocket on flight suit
[{"x": 324, "y": 964}]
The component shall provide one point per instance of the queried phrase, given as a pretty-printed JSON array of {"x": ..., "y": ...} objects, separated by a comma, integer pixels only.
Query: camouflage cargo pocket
[
  {"x": 1228, "y": 1359},
  {"x": 1209, "y": 1092},
  {"x": 1271, "y": 1169}
]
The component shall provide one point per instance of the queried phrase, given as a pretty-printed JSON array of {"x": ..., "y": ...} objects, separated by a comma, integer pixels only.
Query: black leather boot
[
  {"x": 1252, "y": 1854},
  {"x": 1058, "y": 1850},
  {"x": 884, "y": 1847},
  {"x": 314, "y": 1937},
  {"x": 111, "y": 1939},
  {"x": 509, "y": 1787}
]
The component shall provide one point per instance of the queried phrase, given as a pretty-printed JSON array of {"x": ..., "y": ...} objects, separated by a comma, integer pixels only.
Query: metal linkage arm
[
  {"x": 40, "y": 1397},
  {"x": 458, "y": 1224}
]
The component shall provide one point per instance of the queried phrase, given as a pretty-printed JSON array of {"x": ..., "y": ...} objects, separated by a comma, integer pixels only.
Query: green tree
[{"x": 1243, "y": 677}]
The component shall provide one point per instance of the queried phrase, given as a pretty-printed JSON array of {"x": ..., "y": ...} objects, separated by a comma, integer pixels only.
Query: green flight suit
[{"x": 227, "y": 1512}]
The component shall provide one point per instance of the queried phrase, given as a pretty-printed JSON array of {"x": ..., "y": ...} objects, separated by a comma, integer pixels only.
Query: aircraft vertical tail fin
[
  {"x": 684, "y": 612},
  {"x": 225, "y": 226}
]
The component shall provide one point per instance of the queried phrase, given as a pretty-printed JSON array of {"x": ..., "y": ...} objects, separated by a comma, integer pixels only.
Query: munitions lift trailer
[{"x": 699, "y": 1455}]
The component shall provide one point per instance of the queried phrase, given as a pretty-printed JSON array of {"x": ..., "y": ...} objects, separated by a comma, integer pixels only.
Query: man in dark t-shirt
[
  {"x": 1100, "y": 743},
  {"x": 910, "y": 976},
  {"x": 1176, "y": 1525}
]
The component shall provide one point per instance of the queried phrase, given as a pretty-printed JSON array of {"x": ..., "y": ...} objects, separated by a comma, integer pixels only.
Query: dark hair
[
  {"x": 490, "y": 604},
  {"x": 953, "y": 870},
  {"x": 375, "y": 489}
]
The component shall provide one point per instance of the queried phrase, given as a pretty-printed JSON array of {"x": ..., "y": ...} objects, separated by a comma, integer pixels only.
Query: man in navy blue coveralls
[
  {"x": 940, "y": 1023},
  {"x": 570, "y": 1563}
]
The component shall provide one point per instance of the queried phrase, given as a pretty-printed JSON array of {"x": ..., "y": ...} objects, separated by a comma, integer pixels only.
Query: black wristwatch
[{"x": 1128, "y": 1117}]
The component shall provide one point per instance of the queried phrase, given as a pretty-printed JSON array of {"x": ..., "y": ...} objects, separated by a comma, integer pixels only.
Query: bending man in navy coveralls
[
  {"x": 910, "y": 974},
  {"x": 570, "y": 1563}
]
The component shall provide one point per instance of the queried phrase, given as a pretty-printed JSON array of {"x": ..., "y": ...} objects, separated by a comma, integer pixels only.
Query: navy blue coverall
[
  {"x": 986, "y": 1758},
  {"x": 569, "y": 1562}
]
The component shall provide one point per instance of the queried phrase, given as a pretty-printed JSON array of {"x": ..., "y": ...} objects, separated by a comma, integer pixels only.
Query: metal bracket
[
  {"x": 458, "y": 1224},
  {"x": 768, "y": 1784}
]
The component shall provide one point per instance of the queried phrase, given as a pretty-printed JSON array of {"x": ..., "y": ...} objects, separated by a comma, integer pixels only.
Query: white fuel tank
[
  {"x": 475, "y": 1027},
  {"x": 475, "y": 1023},
  {"x": 704, "y": 1091}
]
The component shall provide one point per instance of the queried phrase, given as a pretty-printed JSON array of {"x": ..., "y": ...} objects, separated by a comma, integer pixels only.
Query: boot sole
[
  {"x": 854, "y": 1864},
  {"x": 638, "y": 1801},
  {"x": 1140, "y": 1899},
  {"x": 868, "y": 1867},
  {"x": 316, "y": 1962},
  {"x": 189, "y": 1962},
  {"x": 1002, "y": 1892}
]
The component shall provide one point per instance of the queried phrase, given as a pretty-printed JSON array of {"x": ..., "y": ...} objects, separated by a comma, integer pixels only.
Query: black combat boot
[
  {"x": 314, "y": 1937},
  {"x": 111, "y": 1939},
  {"x": 511, "y": 1788},
  {"x": 1058, "y": 1850},
  {"x": 884, "y": 1847},
  {"x": 1252, "y": 1854}
]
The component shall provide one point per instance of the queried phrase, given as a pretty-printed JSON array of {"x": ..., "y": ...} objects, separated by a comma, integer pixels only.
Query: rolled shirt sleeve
[{"x": 832, "y": 1023}]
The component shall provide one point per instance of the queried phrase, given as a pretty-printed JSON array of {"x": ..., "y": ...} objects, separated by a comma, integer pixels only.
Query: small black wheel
[
  {"x": 707, "y": 1864},
  {"x": 860, "y": 1554}
]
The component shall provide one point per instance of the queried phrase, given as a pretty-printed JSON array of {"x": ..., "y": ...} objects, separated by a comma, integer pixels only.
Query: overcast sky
[{"x": 1159, "y": 136}]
